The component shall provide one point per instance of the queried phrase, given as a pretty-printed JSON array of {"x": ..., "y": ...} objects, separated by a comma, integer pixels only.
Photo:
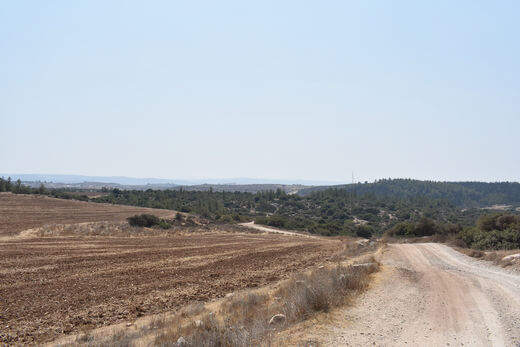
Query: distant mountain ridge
[
  {"x": 132, "y": 181},
  {"x": 71, "y": 179},
  {"x": 244, "y": 188},
  {"x": 461, "y": 194}
]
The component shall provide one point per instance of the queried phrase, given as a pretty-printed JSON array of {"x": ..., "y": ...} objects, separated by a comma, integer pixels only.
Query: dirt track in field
[
  {"x": 267, "y": 229},
  {"x": 21, "y": 212},
  {"x": 54, "y": 286},
  {"x": 428, "y": 295}
]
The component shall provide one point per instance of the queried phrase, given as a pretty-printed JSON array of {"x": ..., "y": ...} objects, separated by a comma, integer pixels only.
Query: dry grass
[
  {"x": 90, "y": 229},
  {"x": 243, "y": 319},
  {"x": 496, "y": 257},
  {"x": 357, "y": 247},
  {"x": 122, "y": 229}
]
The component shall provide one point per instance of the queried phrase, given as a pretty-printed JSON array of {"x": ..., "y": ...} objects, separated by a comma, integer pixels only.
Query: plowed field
[
  {"x": 51, "y": 286},
  {"x": 21, "y": 212}
]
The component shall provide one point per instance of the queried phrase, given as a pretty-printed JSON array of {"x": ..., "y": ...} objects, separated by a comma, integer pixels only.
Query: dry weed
[{"x": 243, "y": 319}]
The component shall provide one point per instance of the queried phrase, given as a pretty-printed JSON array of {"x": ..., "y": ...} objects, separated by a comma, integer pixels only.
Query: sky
[{"x": 309, "y": 90}]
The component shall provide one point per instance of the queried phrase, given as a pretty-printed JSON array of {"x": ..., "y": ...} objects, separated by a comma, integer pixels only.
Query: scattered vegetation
[
  {"x": 496, "y": 231},
  {"x": 246, "y": 319},
  {"x": 331, "y": 212},
  {"x": 424, "y": 227},
  {"x": 399, "y": 208},
  {"x": 251, "y": 317},
  {"x": 7, "y": 185}
]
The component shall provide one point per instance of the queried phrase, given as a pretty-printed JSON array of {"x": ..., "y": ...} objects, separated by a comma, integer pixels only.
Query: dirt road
[
  {"x": 427, "y": 295},
  {"x": 273, "y": 230}
]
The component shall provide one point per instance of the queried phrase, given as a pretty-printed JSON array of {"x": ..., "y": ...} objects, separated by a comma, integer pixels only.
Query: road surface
[
  {"x": 273, "y": 230},
  {"x": 428, "y": 295}
]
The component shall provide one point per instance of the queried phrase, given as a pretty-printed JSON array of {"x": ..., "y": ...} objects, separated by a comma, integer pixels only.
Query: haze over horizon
[
  {"x": 139, "y": 181},
  {"x": 272, "y": 90},
  {"x": 126, "y": 180}
]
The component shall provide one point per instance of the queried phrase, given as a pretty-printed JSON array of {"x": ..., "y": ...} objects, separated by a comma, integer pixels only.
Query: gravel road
[{"x": 429, "y": 295}]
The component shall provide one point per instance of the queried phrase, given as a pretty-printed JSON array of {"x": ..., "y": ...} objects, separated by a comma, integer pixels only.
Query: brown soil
[
  {"x": 20, "y": 212},
  {"x": 52, "y": 286}
]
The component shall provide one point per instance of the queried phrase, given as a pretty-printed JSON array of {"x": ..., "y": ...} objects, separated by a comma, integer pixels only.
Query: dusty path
[
  {"x": 273, "y": 230},
  {"x": 427, "y": 295}
]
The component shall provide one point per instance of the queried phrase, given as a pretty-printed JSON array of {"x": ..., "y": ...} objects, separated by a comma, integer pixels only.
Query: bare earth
[
  {"x": 61, "y": 284},
  {"x": 426, "y": 295},
  {"x": 21, "y": 212}
]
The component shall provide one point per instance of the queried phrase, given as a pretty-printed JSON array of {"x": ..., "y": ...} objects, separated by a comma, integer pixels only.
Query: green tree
[{"x": 18, "y": 186}]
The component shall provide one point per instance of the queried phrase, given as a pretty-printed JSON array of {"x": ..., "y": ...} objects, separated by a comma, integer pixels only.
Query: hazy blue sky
[{"x": 267, "y": 89}]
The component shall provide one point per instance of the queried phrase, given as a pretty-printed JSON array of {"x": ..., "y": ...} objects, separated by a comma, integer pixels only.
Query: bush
[
  {"x": 164, "y": 225},
  {"x": 425, "y": 227},
  {"x": 498, "y": 231},
  {"x": 365, "y": 231},
  {"x": 226, "y": 219},
  {"x": 148, "y": 221},
  {"x": 402, "y": 229}
]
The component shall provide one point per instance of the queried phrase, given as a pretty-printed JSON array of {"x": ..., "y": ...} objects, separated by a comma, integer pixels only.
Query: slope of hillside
[
  {"x": 20, "y": 212},
  {"x": 461, "y": 194}
]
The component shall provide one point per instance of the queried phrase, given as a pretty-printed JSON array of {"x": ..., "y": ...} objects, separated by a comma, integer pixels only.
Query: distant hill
[
  {"x": 77, "y": 179},
  {"x": 245, "y": 188},
  {"x": 157, "y": 183},
  {"x": 98, "y": 185},
  {"x": 461, "y": 194}
]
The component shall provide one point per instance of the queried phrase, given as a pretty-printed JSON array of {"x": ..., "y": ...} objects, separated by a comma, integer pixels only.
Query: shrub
[
  {"x": 148, "y": 221},
  {"x": 425, "y": 227},
  {"x": 365, "y": 231},
  {"x": 498, "y": 231},
  {"x": 402, "y": 229},
  {"x": 164, "y": 225},
  {"x": 226, "y": 219}
]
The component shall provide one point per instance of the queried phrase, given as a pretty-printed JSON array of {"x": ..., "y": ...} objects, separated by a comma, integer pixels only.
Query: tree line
[
  {"x": 17, "y": 187},
  {"x": 327, "y": 212},
  {"x": 491, "y": 231},
  {"x": 460, "y": 194}
]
